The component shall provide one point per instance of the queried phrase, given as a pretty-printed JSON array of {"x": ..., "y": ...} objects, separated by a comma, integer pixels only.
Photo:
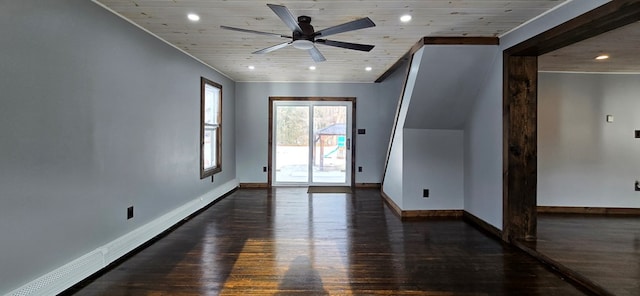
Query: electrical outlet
[
  {"x": 264, "y": 169},
  {"x": 129, "y": 212},
  {"x": 637, "y": 133},
  {"x": 425, "y": 193},
  {"x": 637, "y": 185},
  {"x": 360, "y": 169}
]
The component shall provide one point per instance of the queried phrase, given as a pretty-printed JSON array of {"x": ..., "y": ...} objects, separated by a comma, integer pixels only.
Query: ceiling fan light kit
[
  {"x": 303, "y": 35},
  {"x": 302, "y": 44}
]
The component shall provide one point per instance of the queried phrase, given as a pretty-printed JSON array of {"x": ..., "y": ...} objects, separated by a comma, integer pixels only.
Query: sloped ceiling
[{"x": 448, "y": 81}]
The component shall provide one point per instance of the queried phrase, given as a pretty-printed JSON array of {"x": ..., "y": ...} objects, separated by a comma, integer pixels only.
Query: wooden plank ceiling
[
  {"x": 230, "y": 52},
  {"x": 621, "y": 45}
]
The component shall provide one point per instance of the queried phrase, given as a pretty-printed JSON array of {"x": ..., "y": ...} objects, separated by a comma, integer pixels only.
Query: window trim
[{"x": 218, "y": 145}]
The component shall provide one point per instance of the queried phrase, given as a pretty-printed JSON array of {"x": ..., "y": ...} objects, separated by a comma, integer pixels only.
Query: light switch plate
[{"x": 609, "y": 118}]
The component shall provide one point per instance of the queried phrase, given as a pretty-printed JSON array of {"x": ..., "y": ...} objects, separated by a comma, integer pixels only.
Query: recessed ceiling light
[
  {"x": 312, "y": 67},
  {"x": 251, "y": 67},
  {"x": 368, "y": 69},
  {"x": 193, "y": 17},
  {"x": 405, "y": 18},
  {"x": 602, "y": 57}
]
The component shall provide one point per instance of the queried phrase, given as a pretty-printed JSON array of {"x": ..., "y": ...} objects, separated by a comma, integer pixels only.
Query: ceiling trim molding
[
  {"x": 460, "y": 41},
  {"x": 607, "y": 17},
  {"x": 161, "y": 39},
  {"x": 303, "y": 82},
  {"x": 534, "y": 19},
  {"x": 586, "y": 72}
]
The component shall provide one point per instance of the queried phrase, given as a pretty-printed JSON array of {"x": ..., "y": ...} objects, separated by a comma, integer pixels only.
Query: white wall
[
  {"x": 392, "y": 184},
  {"x": 433, "y": 159},
  {"x": 483, "y": 129},
  {"x": 447, "y": 83},
  {"x": 483, "y": 150},
  {"x": 424, "y": 158},
  {"x": 96, "y": 115},
  {"x": 443, "y": 83},
  {"x": 375, "y": 110},
  {"x": 582, "y": 159},
  {"x": 393, "y": 179}
]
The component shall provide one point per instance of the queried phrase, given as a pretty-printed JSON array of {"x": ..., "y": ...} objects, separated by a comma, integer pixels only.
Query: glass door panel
[
  {"x": 311, "y": 143},
  {"x": 291, "y": 144},
  {"x": 329, "y": 150}
]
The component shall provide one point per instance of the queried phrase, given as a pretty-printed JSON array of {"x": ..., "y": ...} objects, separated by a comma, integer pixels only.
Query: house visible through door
[{"x": 311, "y": 142}]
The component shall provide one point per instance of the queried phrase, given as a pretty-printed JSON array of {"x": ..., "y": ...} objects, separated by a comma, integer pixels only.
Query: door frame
[{"x": 312, "y": 99}]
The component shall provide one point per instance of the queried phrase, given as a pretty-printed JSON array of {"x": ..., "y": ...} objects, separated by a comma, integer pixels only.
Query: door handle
[{"x": 348, "y": 144}]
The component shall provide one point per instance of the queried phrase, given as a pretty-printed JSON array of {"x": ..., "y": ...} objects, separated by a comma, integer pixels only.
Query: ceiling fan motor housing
[{"x": 307, "y": 29}]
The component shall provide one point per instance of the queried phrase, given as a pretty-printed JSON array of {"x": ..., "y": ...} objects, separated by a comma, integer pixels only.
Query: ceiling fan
[{"x": 304, "y": 37}]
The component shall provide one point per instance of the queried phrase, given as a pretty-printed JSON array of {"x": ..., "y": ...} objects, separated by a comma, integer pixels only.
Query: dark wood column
[{"x": 520, "y": 146}]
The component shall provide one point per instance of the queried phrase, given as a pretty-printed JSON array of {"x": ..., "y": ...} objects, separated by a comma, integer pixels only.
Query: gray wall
[
  {"x": 443, "y": 83},
  {"x": 96, "y": 115},
  {"x": 582, "y": 159},
  {"x": 483, "y": 150},
  {"x": 393, "y": 183},
  {"x": 375, "y": 110},
  {"x": 433, "y": 159},
  {"x": 483, "y": 128}
]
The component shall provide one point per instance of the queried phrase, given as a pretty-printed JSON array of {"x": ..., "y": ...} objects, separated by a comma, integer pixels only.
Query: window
[{"x": 210, "y": 128}]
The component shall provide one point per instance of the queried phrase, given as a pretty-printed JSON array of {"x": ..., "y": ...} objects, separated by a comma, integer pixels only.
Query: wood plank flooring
[
  {"x": 604, "y": 249},
  {"x": 288, "y": 242}
]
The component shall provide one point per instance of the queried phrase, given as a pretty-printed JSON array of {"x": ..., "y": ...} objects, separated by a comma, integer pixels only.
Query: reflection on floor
[
  {"x": 604, "y": 249},
  {"x": 288, "y": 242}
]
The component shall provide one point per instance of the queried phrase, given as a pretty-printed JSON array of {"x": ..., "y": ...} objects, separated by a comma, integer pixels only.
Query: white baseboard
[{"x": 75, "y": 271}]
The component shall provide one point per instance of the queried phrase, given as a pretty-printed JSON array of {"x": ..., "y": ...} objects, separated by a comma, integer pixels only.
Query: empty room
[{"x": 319, "y": 147}]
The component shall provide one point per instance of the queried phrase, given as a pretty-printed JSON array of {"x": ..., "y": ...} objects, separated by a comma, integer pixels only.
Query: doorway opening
[
  {"x": 520, "y": 109},
  {"x": 311, "y": 141}
]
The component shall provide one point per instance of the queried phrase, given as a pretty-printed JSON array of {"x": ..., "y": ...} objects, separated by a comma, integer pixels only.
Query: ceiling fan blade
[
  {"x": 346, "y": 27},
  {"x": 285, "y": 15},
  {"x": 316, "y": 55},
  {"x": 252, "y": 31},
  {"x": 347, "y": 45},
  {"x": 272, "y": 48}
]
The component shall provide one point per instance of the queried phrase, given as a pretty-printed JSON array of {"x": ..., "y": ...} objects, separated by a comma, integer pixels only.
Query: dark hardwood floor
[
  {"x": 288, "y": 242},
  {"x": 603, "y": 249}
]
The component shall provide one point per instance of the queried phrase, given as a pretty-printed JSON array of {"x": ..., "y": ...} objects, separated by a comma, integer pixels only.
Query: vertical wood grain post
[{"x": 520, "y": 146}]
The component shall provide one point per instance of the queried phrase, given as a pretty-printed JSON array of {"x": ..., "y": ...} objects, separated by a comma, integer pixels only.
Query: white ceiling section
[{"x": 230, "y": 52}]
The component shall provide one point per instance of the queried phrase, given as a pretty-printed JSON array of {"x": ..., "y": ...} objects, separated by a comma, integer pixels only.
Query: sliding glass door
[
  {"x": 291, "y": 143},
  {"x": 312, "y": 143}
]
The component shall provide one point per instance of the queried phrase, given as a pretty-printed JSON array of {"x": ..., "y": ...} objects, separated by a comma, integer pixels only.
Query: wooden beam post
[{"x": 520, "y": 147}]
